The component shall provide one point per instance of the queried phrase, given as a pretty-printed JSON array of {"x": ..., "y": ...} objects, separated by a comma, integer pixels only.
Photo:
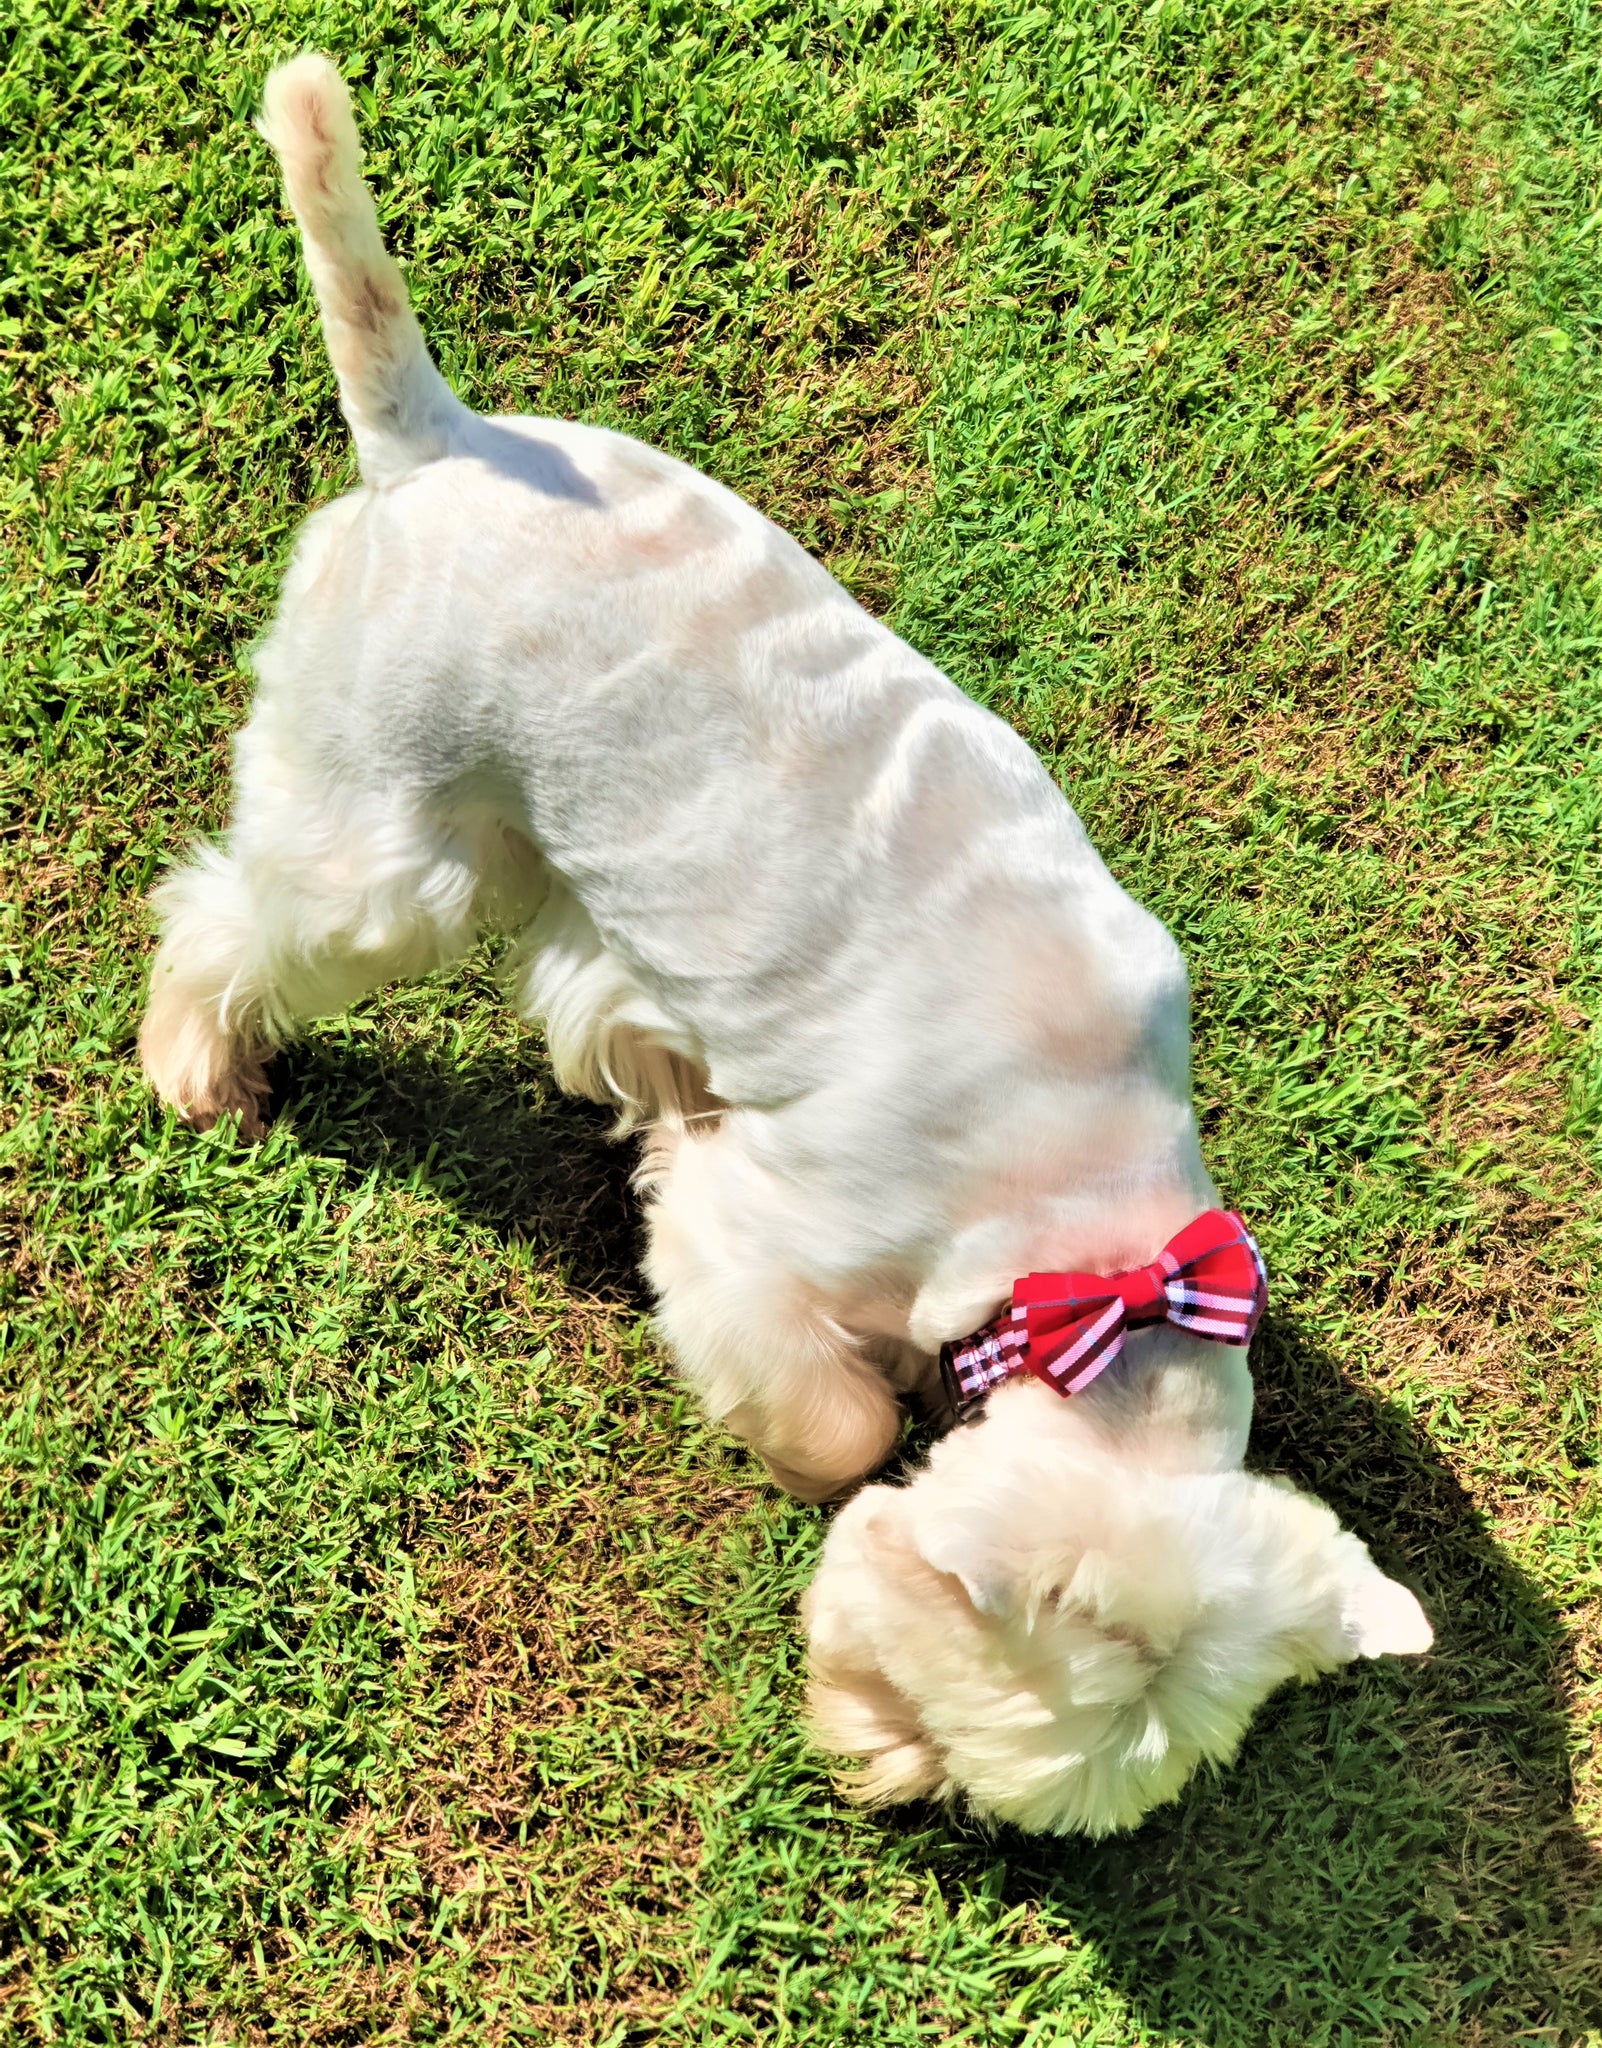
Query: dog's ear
[
  {"x": 1354, "y": 1610},
  {"x": 990, "y": 1546},
  {"x": 978, "y": 1541},
  {"x": 959, "y": 1551},
  {"x": 854, "y": 1709},
  {"x": 1381, "y": 1618}
]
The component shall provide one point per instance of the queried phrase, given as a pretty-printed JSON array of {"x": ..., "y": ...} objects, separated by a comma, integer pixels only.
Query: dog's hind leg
[
  {"x": 310, "y": 904},
  {"x": 753, "y": 1341},
  {"x": 606, "y": 1037}
]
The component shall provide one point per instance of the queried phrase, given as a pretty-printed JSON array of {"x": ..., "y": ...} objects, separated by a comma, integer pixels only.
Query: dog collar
[{"x": 1066, "y": 1328}]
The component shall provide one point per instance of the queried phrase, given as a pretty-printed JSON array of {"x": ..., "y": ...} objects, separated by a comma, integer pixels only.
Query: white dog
[{"x": 831, "y": 932}]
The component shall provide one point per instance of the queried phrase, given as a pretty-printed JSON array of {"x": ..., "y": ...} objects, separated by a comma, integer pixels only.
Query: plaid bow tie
[{"x": 1065, "y": 1328}]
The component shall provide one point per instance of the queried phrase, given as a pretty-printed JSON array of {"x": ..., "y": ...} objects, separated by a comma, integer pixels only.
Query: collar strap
[{"x": 1065, "y": 1328}]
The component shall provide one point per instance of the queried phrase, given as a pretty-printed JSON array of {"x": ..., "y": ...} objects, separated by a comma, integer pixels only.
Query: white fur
[
  {"x": 1061, "y": 1628},
  {"x": 787, "y": 896}
]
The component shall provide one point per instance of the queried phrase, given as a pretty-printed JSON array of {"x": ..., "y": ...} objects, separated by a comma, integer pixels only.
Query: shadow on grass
[
  {"x": 497, "y": 1140},
  {"x": 1394, "y": 1859}
]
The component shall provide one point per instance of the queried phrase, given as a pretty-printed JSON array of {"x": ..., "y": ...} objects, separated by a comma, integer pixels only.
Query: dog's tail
[{"x": 401, "y": 410}]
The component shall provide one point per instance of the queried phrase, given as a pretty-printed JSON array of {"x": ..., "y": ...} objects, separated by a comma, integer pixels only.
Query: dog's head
[{"x": 1058, "y": 1639}]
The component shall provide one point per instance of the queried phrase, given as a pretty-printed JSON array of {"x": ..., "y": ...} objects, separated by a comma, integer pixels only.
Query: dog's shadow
[
  {"x": 1394, "y": 1859},
  {"x": 497, "y": 1140}
]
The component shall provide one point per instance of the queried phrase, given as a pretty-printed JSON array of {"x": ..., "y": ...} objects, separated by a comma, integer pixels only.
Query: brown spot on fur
[
  {"x": 690, "y": 527},
  {"x": 311, "y": 122},
  {"x": 370, "y": 307},
  {"x": 1131, "y": 1638}
]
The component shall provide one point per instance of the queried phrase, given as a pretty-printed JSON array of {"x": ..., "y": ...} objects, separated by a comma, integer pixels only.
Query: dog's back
[{"x": 790, "y": 825}]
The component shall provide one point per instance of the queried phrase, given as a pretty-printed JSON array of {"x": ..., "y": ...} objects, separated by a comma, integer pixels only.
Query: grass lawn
[{"x": 389, "y": 1654}]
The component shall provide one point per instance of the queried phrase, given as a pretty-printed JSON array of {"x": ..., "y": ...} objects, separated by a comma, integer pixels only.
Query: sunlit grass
[{"x": 389, "y": 1652}]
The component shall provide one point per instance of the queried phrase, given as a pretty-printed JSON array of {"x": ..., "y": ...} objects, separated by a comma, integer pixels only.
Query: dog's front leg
[{"x": 756, "y": 1345}]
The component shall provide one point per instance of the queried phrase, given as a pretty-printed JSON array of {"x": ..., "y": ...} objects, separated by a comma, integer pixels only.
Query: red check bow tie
[{"x": 1065, "y": 1328}]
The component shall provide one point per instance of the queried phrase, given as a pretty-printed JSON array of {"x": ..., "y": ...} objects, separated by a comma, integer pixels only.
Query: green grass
[{"x": 389, "y": 1653}]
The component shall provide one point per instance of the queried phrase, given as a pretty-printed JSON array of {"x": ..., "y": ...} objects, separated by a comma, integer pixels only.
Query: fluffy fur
[
  {"x": 1061, "y": 1627},
  {"x": 831, "y": 933}
]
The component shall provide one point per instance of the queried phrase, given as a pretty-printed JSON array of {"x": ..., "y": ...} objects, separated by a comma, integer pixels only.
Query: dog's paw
[
  {"x": 245, "y": 1095},
  {"x": 201, "y": 1073},
  {"x": 809, "y": 1486}
]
